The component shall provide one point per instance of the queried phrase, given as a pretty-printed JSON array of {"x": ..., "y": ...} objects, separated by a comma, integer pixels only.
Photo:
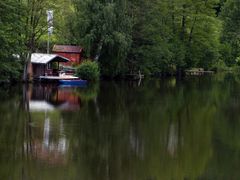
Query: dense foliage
[
  {"x": 125, "y": 36},
  {"x": 11, "y": 28},
  {"x": 169, "y": 36},
  {"x": 88, "y": 70},
  {"x": 231, "y": 32}
]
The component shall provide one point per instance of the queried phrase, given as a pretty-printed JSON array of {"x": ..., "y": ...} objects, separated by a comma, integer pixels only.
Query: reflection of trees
[
  {"x": 226, "y": 159},
  {"x": 88, "y": 93},
  {"x": 166, "y": 129},
  {"x": 22, "y": 151},
  {"x": 177, "y": 134},
  {"x": 11, "y": 133},
  {"x": 145, "y": 132}
]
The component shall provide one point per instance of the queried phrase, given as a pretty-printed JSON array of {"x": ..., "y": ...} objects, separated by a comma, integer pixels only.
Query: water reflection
[{"x": 162, "y": 129}]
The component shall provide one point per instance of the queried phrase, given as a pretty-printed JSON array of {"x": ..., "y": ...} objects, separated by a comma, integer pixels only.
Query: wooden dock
[{"x": 197, "y": 72}]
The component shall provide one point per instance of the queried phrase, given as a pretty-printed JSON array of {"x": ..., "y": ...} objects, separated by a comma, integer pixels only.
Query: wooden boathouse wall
[
  {"x": 73, "y": 53},
  {"x": 38, "y": 70}
]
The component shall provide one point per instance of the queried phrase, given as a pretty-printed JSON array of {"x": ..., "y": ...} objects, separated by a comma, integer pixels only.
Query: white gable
[{"x": 39, "y": 58}]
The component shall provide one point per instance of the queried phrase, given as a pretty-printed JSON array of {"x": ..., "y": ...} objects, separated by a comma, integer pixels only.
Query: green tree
[
  {"x": 11, "y": 23},
  {"x": 175, "y": 35},
  {"x": 231, "y": 30},
  {"x": 103, "y": 28}
]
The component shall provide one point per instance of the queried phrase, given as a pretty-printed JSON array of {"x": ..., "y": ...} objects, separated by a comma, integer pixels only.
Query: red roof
[{"x": 67, "y": 49}]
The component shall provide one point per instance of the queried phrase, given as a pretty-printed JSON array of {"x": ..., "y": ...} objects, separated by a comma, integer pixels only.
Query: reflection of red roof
[{"x": 67, "y": 49}]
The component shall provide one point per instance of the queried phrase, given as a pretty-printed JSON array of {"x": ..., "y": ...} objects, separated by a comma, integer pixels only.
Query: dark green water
[{"x": 162, "y": 129}]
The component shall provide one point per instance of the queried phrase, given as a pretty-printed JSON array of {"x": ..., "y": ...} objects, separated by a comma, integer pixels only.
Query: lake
[{"x": 158, "y": 129}]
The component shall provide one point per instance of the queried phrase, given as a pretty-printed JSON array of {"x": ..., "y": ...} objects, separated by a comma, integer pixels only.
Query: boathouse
[
  {"x": 45, "y": 64},
  {"x": 73, "y": 53}
]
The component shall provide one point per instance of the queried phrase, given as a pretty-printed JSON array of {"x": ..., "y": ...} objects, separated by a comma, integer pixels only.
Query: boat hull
[{"x": 77, "y": 82}]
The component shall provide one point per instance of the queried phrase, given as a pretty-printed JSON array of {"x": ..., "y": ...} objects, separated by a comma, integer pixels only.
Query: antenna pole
[{"x": 48, "y": 43}]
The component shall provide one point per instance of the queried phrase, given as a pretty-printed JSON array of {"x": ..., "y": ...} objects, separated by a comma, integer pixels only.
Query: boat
[{"x": 73, "y": 82}]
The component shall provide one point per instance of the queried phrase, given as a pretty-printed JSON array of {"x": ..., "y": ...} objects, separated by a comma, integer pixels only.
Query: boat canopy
[{"x": 40, "y": 58}]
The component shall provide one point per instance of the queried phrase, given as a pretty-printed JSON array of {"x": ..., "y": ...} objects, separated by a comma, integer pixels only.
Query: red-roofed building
[{"x": 73, "y": 53}]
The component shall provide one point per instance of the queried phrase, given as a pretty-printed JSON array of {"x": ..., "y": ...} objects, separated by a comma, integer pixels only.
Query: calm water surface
[{"x": 161, "y": 129}]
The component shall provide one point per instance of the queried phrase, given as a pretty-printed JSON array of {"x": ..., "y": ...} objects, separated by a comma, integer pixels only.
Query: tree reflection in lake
[{"x": 163, "y": 129}]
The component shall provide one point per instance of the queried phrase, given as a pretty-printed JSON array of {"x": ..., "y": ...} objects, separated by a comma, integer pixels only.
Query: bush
[
  {"x": 10, "y": 71},
  {"x": 88, "y": 70},
  {"x": 220, "y": 66}
]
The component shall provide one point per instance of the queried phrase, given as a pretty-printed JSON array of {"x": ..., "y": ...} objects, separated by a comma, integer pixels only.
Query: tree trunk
[
  {"x": 179, "y": 71},
  {"x": 173, "y": 17},
  {"x": 26, "y": 66},
  {"x": 191, "y": 31},
  {"x": 183, "y": 27},
  {"x": 183, "y": 30},
  {"x": 99, "y": 49}
]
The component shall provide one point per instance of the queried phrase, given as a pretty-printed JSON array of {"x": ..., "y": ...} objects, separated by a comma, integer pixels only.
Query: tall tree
[
  {"x": 104, "y": 28},
  {"x": 231, "y": 32},
  {"x": 174, "y": 35},
  {"x": 11, "y": 23}
]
